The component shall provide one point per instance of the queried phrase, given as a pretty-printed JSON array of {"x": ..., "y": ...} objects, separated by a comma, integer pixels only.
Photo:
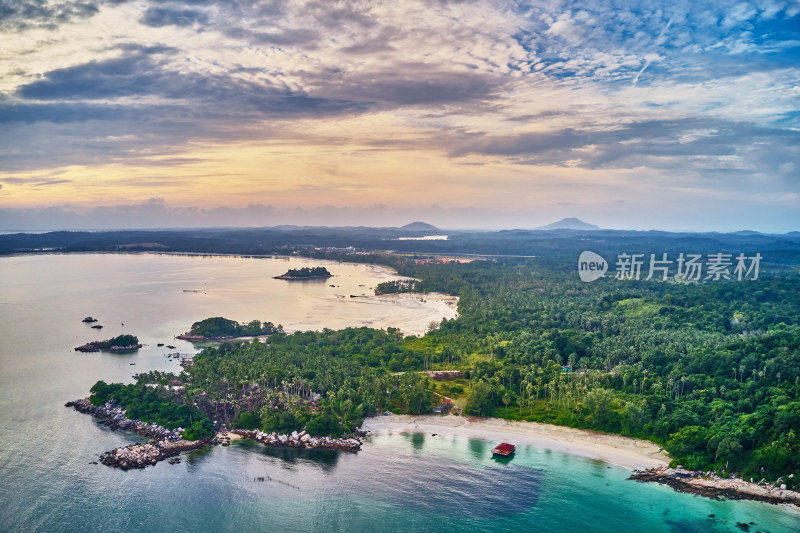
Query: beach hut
[{"x": 504, "y": 449}]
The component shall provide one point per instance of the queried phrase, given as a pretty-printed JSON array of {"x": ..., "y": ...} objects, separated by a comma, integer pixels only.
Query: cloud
[
  {"x": 295, "y": 36},
  {"x": 147, "y": 72},
  {"x": 690, "y": 143},
  {"x": 374, "y": 45},
  {"x": 17, "y": 16},
  {"x": 35, "y": 182},
  {"x": 157, "y": 17},
  {"x": 63, "y": 112},
  {"x": 412, "y": 85},
  {"x": 508, "y": 88},
  {"x": 719, "y": 214},
  {"x": 136, "y": 72}
]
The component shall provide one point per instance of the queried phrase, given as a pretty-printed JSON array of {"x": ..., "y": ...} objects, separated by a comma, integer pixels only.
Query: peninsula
[
  {"x": 306, "y": 273},
  {"x": 161, "y": 407}
]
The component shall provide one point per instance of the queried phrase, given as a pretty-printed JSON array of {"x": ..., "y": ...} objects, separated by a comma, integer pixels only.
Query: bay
[{"x": 398, "y": 482}]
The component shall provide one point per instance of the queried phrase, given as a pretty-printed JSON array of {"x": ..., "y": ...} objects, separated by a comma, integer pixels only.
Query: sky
[{"x": 674, "y": 115}]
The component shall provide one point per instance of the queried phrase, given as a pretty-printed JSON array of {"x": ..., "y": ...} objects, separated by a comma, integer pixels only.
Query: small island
[
  {"x": 122, "y": 343},
  {"x": 306, "y": 273},
  {"x": 219, "y": 328}
]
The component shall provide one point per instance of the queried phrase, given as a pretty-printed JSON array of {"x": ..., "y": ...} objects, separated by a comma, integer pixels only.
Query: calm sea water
[{"x": 399, "y": 482}]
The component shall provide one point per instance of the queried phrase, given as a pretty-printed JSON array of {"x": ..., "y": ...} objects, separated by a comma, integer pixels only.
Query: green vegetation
[
  {"x": 325, "y": 382},
  {"x": 709, "y": 371},
  {"x": 117, "y": 344},
  {"x": 306, "y": 272},
  {"x": 396, "y": 286},
  {"x": 121, "y": 341},
  {"x": 218, "y": 327},
  {"x": 154, "y": 404}
]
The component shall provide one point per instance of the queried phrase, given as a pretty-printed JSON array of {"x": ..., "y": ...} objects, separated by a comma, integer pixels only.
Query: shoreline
[
  {"x": 167, "y": 444},
  {"x": 626, "y": 452},
  {"x": 300, "y": 278},
  {"x": 648, "y": 461},
  {"x": 164, "y": 443},
  {"x": 711, "y": 486}
]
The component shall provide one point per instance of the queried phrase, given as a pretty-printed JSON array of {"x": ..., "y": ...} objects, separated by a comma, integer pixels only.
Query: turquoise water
[{"x": 398, "y": 482}]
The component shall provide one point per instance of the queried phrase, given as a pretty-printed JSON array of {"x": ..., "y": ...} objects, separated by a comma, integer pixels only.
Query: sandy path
[{"x": 622, "y": 451}]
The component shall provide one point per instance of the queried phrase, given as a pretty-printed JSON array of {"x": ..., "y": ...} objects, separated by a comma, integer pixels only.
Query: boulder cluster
[
  {"x": 710, "y": 485},
  {"x": 300, "y": 440},
  {"x": 142, "y": 455},
  {"x": 164, "y": 443},
  {"x": 114, "y": 417},
  {"x": 98, "y": 346}
]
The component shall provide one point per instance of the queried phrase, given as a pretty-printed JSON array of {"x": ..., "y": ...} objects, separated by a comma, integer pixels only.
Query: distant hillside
[
  {"x": 569, "y": 223},
  {"x": 419, "y": 226}
]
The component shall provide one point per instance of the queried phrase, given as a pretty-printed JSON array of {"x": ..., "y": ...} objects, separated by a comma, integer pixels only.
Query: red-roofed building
[{"x": 504, "y": 449}]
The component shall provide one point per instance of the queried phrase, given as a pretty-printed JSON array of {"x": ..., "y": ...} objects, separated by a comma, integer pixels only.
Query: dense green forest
[
  {"x": 711, "y": 371},
  {"x": 218, "y": 327}
]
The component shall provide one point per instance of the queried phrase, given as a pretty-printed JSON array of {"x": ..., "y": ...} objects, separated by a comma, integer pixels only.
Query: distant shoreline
[
  {"x": 299, "y": 278},
  {"x": 381, "y": 267}
]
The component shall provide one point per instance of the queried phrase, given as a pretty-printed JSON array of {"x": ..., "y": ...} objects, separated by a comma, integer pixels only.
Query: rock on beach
[
  {"x": 712, "y": 486},
  {"x": 300, "y": 440},
  {"x": 164, "y": 442}
]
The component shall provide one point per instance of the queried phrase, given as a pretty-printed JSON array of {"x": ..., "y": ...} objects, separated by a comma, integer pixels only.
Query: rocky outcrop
[
  {"x": 97, "y": 346},
  {"x": 300, "y": 440},
  {"x": 164, "y": 442},
  {"x": 142, "y": 455},
  {"x": 114, "y": 417},
  {"x": 712, "y": 486}
]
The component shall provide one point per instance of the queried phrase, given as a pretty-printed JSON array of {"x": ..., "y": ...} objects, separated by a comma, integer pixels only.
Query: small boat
[
  {"x": 504, "y": 450},
  {"x": 133, "y": 364}
]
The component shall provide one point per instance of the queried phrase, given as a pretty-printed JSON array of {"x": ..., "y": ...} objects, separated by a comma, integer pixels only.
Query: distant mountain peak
[
  {"x": 569, "y": 223},
  {"x": 419, "y": 226}
]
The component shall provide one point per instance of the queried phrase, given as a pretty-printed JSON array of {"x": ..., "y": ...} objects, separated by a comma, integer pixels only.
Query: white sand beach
[{"x": 622, "y": 451}]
